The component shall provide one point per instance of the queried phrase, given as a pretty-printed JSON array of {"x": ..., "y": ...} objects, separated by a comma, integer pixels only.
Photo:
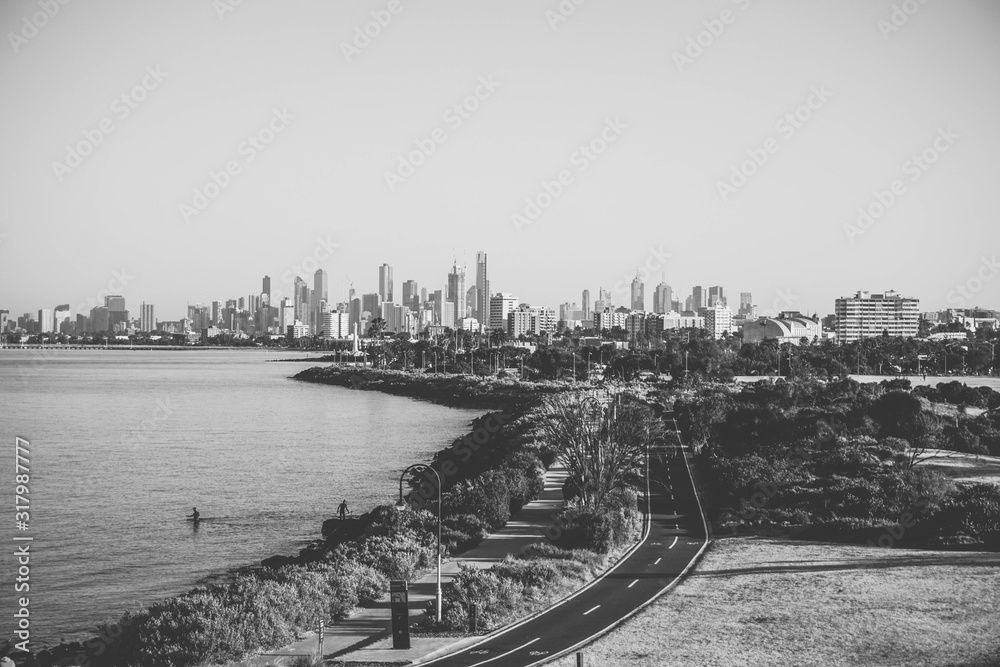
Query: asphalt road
[{"x": 676, "y": 534}]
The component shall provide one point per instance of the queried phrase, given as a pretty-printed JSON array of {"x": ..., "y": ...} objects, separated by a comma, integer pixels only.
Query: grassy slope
[{"x": 756, "y": 601}]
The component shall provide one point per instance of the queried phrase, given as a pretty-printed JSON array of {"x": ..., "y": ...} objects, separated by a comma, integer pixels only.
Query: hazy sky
[{"x": 672, "y": 120}]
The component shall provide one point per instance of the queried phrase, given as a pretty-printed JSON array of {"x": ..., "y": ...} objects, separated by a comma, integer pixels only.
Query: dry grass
[
  {"x": 761, "y": 601},
  {"x": 961, "y": 467}
]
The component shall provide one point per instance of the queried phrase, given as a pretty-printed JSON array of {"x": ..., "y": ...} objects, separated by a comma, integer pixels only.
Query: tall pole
[{"x": 437, "y": 476}]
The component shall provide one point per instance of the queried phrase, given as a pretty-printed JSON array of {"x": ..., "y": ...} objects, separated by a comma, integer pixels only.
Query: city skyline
[{"x": 767, "y": 158}]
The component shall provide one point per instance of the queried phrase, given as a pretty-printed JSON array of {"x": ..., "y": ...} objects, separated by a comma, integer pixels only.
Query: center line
[
  {"x": 657, "y": 561},
  {"x": 507, "y": 653},
  {"x": 674, "y": 542},
  {"x": 633, "y": 583},
  {"x": 590, "y": 610}
]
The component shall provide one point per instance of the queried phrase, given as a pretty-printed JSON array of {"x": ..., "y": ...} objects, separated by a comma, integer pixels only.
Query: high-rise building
[
  {"x": 265, "y": 288},
  {"x": 663, "y": 297},
  {"x": 320, "y": 293},
  {"x": 501, "y": 305},
  {"x": 335, "y": 325},
  {"x": 286, "y": 318},
  {"x": 718, "y": 320},
  {"x": 716, "y": 295},
  {"x": 699, "y": 299},
  {"x": 482, "y": 290},
  {"x": 411, "y": 298},
  {"x": 868, "y": 314},
  {"x": 638, "y": 301},
  {"x": 603, "y": 301},
  {"x": 372, "y": 303},
  {"x": 4, "y": 319},
  {"x": 747, "y": 309},
  {"x": 45, "y": 320},
  {"x": 61, "y": 318},
  {"x": 82, "y": 323},
  {"x": 114, "y": 303},
  {"x": 471, "y": 304},
  {"x": 385, "y": 283},
  {"x": 585, "y": 304},
  {"x": 99, "y": 320},
  {"x": 456, "y": 293},
  {"x": 527, "y": 320},
  {"x": 147, "y": 316}
]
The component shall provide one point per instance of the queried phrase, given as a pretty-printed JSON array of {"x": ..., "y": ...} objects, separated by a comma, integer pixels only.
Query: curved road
[{"x": 675, "y": 535}]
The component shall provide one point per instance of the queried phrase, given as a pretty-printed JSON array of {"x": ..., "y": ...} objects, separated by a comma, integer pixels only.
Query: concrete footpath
[{"x": 365, "y": 636}]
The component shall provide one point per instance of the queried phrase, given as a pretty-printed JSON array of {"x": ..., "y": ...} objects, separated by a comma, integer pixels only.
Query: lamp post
[{"x": 401, "y": 505}]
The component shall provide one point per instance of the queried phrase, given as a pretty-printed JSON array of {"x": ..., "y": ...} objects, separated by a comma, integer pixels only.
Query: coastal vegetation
[
  {"x": 820, "y": 459},
  {"x": 841, "y": 461}
]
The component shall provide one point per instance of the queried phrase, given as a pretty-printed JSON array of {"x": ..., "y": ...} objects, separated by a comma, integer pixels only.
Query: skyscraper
[
  {"x": 147, "y": 316},
  {"x": 716, "y": 296},
  {"x": 45, "y": 320},
  {"x": 482, "y": 312},
  {"x": 411, "y": 298},
  {"x": 586, "y": 304},
  {"x": 62, "y": 319},
  {"x": 471, "y": 303},
  {"x": 699, "y": 299},
  {"x": 456, "y": 293},
  {"x": 319, "y": 294},
  {"x": 266, "y": 288},
  {"x": 746, "y": 305},
  {"x": 114, "y": 303},
  {"x": 372, "y": 303},
  {"x": 385, "y": 283},
  {"x": 663, "y": 297},
  {"x": 638, "y": 293}
]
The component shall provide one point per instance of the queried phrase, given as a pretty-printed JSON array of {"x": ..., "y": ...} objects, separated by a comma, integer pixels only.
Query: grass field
[{"x": 763, "y": 601}]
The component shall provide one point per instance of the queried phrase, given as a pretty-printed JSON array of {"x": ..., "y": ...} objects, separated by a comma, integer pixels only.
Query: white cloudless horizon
[{"x": 890, "y": 94}]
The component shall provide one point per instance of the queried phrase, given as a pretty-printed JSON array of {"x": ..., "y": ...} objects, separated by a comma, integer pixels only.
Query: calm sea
[{"x": 123, "y": 444}]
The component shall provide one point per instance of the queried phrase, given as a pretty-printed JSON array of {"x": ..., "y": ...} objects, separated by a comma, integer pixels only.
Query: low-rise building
[{"x": 786, "y": 328}]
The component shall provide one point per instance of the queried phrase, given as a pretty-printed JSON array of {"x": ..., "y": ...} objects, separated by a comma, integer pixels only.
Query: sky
[{"x": 799, "y": 150}]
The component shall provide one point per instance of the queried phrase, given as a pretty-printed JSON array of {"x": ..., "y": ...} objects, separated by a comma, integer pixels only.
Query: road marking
[
  {"x": 633, "y": 583},
  {"x": 674, "y": 542},
  {"x": 590, "y": 610},
  {"x": 507, "y": 653},
  {"x": 657, "y": 561}
]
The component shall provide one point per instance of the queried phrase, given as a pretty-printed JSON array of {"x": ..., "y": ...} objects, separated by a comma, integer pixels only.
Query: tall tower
[
  {"x": 411, "y": 295},
  {"x": 320, "y": 294},
  {"x": 699, "y": 299},
  {"x": 638, "y": 293},
  {"x": 586, "y": 304},
  {"x": 385, "y": 283},
  {"x": 147, "y": 317},
  {"x": 456, "y": 293},
  {"x": 266, "y": 288},
  {"x": 482, "y": 312}
]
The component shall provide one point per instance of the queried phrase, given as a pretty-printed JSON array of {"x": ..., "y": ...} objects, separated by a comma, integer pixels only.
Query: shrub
[
  {"x": 489, "y": 499},
  {"x": 496, "y": 599}
]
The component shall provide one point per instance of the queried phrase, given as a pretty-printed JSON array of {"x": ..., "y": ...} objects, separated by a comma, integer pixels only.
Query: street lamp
[{"x": 401, "y": 505}]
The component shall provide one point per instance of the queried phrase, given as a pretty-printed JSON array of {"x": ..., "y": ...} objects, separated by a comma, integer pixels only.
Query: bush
[
  {"x": 489, "y": 499},
  {"x": 460, "y": 532},
  {"x": 496, "y": 599}
]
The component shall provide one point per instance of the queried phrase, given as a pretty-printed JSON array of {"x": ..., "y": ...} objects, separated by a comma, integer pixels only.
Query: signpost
[{"x": 399, "y": 608}]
